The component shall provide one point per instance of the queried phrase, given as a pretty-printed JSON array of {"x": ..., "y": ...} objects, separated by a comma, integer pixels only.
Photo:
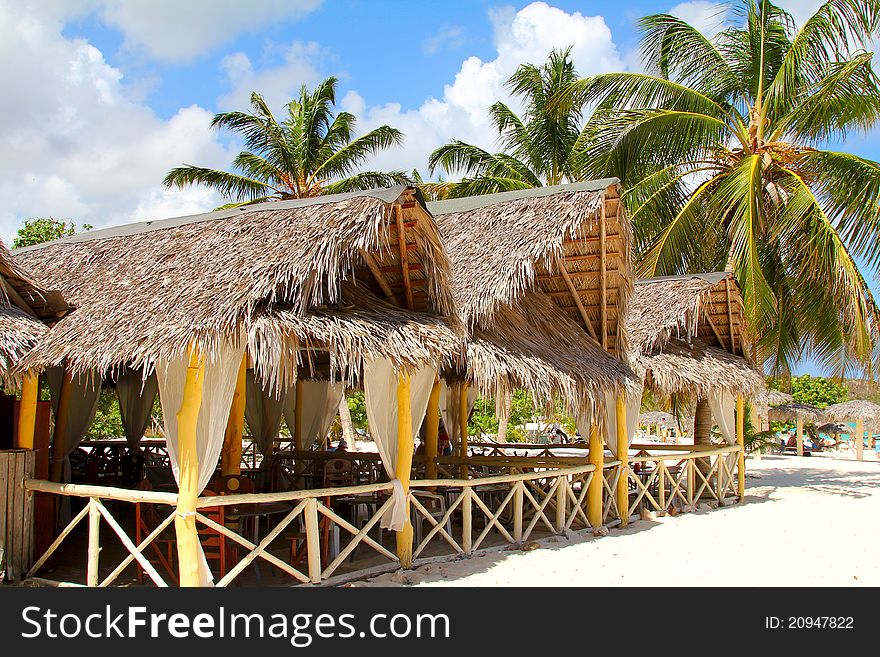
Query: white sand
[{"x": 808, "y": 521}]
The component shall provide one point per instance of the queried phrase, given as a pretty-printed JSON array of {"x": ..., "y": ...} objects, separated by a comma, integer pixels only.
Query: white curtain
[
  {"x": 723, "y": 407},
  {"x": 136, "y": 398},
  {"x": 85, "y": 392},
  {"x": 380, "y": 392},
  {"x": 449, "y": 403},
  {"x": 263, "y": 413},
  {"x": 320, "y": 401},
  {"x": 633, "y": 406},
  {"x": 221, "y": 375}
]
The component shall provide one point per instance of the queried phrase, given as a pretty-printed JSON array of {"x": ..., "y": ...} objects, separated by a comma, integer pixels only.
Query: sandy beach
[{"x": 808, "y": 521}]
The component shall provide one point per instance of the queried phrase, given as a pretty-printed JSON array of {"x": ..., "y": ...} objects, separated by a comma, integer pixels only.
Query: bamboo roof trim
[{"x": 206, "y": 281}]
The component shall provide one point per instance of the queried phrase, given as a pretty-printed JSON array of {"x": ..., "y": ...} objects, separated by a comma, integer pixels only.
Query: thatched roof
[
  {"x": 655, "y": 417},
  {"x": 696, "y": 368},
  {"x": 686, "y": 335},
  {"x": 790, "y": 412},
  {"x": 334, "y": 340},
  {"x": 772, "y": 398},
  {"x": 535, "y": 346},
  {"x": 148, "y": 291},
  {"x": 24, "y": 310},
  {"x": 856, "y": 409},
  {"x": 552, "y": 239}
]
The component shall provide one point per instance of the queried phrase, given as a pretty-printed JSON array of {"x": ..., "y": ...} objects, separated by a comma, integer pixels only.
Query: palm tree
[
  {"x": 309, "y": 153},
  {"x": 726, "y": 149},
  {"x": 539, "y": 148}
]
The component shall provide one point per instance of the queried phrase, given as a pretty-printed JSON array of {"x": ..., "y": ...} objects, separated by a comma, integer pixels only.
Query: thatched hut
[
  {"x": 861, "y": 412},
  {"x": 25, "y": 311},
  {"x": 687, "y": 337},
  {"x": 541, "y": 278},
  {"x": 333, "y": 289},
  {"x": 799, "y": 414}
]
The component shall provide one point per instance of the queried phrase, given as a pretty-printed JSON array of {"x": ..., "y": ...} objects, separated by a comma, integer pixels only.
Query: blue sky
[{"x": 103, "y": 97}]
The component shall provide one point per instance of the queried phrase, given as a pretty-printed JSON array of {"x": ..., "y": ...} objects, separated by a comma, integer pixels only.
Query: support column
[
  {"x": 185, "y": 519},
  {"x": 60, "y": 427},
  {"x": 741, "y": 441},
  {"x": 860, "y": 439},
  {"x": 432, "y": 430},
  {"x": 463, "y": 429},
  {"x": 594, "y": 492},
  {"x": 27, "y": 409},
  {"x": 299, "y": 465},
  {"x": 230, "y": 457},
  {"x": 799, "y": 435},
  {"x": 623, "y": 457},
  {"x": 404, "y": 464}
]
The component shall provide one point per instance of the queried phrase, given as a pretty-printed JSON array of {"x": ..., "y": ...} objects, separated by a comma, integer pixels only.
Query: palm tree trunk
[
  {"x": 703, "y": 434},
  {"x": 345, "y": 421},
  {"x": 503, "y": 411}
]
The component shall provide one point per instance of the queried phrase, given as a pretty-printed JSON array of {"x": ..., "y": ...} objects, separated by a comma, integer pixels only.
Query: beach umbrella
[
  {"x": 858, "y": 411},
  {"x": 797, "y": 413},
  {"x": 769, "y": 397}
]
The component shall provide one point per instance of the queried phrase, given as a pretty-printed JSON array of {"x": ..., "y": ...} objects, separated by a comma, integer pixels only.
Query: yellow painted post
[
  {"x": 463, "y": 429},
  {"x": 594, "y": 492},
  {"x": 623, "y": 457},
  {"x": 741, "y": 441},
  {"x": 799, "y": 435},
  {"x": 27, "y": 410},
  {"x": 185, "y": 519},
  {"x": 230, "y": 457},
  {"x": 60, "y": 427},
  {"x": 432, "y": 430},
  {"x": 404, "y": 464},
  {"x": 860, "y": 438}
]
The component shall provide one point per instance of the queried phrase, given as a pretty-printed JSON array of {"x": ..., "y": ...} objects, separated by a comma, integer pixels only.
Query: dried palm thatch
[
  {"x": 686, "y": 335},
  {"x": 769, "y": 398},
  {"x": 856, "y": 409},
  {"x": 696, "y": 369},
  {"x": 149, "y": 291},
  {"x": 655, "y": 417},
  {"x": 535, "y": 346},
  {"x": 572, "y": 242},
  {"x": 333, "y": 341},
  {"x": 24, "y": 310},
  {"x": 791, "y": 412}
]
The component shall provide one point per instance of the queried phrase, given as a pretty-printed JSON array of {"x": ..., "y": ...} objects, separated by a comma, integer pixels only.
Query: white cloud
[
  {"x": 74, "y": 143},
  {"x": 447, "y": 38},
  {"x": 178, "y": 31},
  {"x": 524, "y": 36},
  {"x": 707, "y": 17},
  {"x": 277, "y": 84}
]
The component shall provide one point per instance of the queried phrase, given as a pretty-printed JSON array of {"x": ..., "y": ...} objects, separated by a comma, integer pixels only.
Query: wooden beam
[
  {"x": 741, "y": 441},
  {"x": 603, "y": 282},
  {"x": 714, "y": 330},
  {"x": 594, "y": 492},
  {"x": 403, "y": 469},
  {"x": 577, "y": 298},
  {"x": 185, "y": 519},
  {"x": 622, "y": 443},
  {"x": 230, "y": 456},
  {"x": 61, "y": 427},
  {"x": 404, "y": 261},
  {"x": 27, "y": 409},
  {"x": 432, "y": 429},
  {"x": 394, "y": 270},
  {"x": 15, "y": 298},
  {"x": 729, "y": 316},
  {"x": 380, "y": 278},
  {"x": 463, "y": 428}
]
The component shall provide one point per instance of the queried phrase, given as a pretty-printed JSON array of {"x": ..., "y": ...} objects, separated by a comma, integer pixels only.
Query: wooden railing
[{"x": 514, "y": 500}]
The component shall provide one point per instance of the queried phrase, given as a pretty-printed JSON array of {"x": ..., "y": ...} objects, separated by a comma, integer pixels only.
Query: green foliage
[
  {"x": 44, "y": 229},
  {"x": 357, "y": 405},
  {"x": 108, "y": 421},
  {"x": 483, "y": 419},
  {"x": 818, "y": 391}
]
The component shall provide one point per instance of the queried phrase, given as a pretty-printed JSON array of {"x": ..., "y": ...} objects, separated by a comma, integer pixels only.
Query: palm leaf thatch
[
  {"x": 148, "y": 291},
  {"x": 523, "y": 264},
  {"x": 769, "y": 398},
  {"x": 24, "y": 310},
  {"x": 535, "y": 346},
  {"x": 686, "y": 335},
  {"x": 553, "y": 239},
  {"x": 791, "y": 412},
  {"x": 856, "y": 409}
]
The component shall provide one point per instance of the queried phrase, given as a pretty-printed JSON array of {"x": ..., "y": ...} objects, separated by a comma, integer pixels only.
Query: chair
[{"x": 435, "y": 505}]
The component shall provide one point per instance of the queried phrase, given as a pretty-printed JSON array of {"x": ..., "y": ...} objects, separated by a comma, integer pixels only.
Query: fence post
[
  {"x": 691, "y": 480},
  {"x": 466, "y": 520},
  {"x": 597, "y": 483},
  {"x": 313, "y": 545},
  {"x": 16, "y": 511},
  {"x": 518, "y": 512},
  {"x": 94, "y": 544},
  {"x": 561, "y": 499}
]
